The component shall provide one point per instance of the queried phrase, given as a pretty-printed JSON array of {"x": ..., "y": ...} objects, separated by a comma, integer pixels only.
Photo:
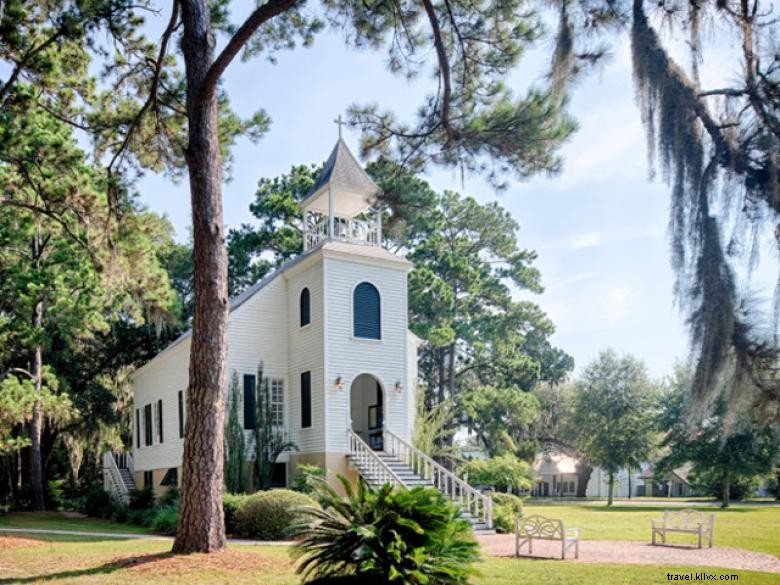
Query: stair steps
[{"x": 410, "y": 479}]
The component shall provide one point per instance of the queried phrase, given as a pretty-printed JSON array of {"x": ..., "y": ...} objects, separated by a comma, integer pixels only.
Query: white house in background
[
  {"x": 330, "y": 328},
  {"x": 674, "y": 483},
  {"x": 557, "y": 476}
]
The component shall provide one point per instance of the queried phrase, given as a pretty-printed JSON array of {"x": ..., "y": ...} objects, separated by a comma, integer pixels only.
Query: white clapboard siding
[
  {"x": 305, "y": 347},
  {"x": 348, "y": 357},
  {"x": 256, "y": 331},
  {"x": 264, "y": 325},
  {"x": 162, "y": 378}
]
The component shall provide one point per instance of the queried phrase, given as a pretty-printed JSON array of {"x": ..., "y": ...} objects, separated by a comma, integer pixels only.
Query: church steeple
[{"x": 341, "y": 192}]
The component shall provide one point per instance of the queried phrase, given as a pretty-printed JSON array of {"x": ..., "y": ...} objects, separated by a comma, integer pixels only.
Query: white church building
[{"x": 330, "y": 328}]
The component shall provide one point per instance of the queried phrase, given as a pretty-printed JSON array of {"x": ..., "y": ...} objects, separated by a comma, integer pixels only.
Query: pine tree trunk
[
  {"x": 440, "y": 360},
  {"x": 725, "y": 489},
  {"x": 452, "y": 370},
  {"x": 36, "y": 422},
  {"x": 611, "y": 489},
  {"x": 201, "y": 525}
]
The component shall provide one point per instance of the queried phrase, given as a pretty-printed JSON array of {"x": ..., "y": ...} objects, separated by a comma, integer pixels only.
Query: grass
[
  {"x": 135, "y": 562},
  {"x": 754, "y": 528},
  {"x": 58, "y": 521}
]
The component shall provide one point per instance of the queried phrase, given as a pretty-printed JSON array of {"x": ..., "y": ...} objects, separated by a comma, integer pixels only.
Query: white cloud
[{"x": 586, "y": 240}]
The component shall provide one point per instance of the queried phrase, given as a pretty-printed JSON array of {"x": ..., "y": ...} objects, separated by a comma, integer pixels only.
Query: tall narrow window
[
  {"x": 306, "y": 399},
  {"x": 181, "y": 414},
  {"x": 249, "y": 401},
  {"x": 277, "y": 402},
  {"x": 305, "y": 307},
  {"x": 159, "y": 421},
  {"x": 366, "y": 312},
  {"x": 138, "y": 428},
  {"x": 148, "y": 425}
]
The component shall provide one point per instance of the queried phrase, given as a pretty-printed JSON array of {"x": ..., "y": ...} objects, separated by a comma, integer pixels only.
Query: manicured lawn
[
  {"x": 57, "y": 521},
  {"x": 751, "y": 527},
  {"x": 131, "y": 562}
]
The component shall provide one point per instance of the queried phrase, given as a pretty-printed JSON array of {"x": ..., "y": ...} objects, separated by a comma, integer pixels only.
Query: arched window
[
  {"x": 366, "y": 312},
  {"x": 305, "y": 307}
]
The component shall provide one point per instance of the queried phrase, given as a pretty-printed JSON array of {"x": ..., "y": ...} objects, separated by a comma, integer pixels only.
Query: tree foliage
[
  {"x": 270, "y": 439},
  {"x": 503, "y": 473},
  {"x": 614, "y": 413},
  {"x": 722, "y": 454},
  {"x": 234, "y": 441},
  {"x": 717, "y": 149}
]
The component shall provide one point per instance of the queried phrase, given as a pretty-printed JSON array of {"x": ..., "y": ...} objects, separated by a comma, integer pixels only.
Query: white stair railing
[
  {"x": 112, "y": 479},
  {"x": 124, "y": 460},
  {"x": 470, "y": 500},
  {"x": 369, "y": 463}
]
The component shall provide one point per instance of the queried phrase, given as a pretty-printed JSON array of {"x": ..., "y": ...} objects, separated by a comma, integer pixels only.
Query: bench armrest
[
  {"x": 573, "y": 532},
  {"x": 657, "y": 522}
]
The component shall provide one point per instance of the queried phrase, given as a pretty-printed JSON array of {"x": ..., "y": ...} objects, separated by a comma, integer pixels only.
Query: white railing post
[{"x": 453, "y": 487}]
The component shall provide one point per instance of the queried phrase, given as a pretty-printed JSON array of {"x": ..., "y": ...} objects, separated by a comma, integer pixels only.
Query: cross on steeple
[{"x": 340, "y": 123}]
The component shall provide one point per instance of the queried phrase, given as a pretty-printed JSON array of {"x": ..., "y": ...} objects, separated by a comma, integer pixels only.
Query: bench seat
[
  {"x": 541, "y": 528},
  {"x": 684, "y": 522}
]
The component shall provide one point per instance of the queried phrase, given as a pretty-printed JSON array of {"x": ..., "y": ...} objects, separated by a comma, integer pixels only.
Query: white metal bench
[
  {"x": 540, "y": 528},
  {"x": 685, "y": 522}
]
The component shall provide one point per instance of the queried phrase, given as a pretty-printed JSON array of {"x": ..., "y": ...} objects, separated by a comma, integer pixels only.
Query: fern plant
[{"x": 385, "y": 535}]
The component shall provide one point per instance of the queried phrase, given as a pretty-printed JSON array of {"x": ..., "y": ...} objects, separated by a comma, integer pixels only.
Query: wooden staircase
[
  {"x": 403, "y": 465},
  {"x": 118, "y": 475}
]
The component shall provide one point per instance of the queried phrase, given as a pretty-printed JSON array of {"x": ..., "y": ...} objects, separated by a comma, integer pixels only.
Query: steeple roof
[{"x": 342, "y": 173}]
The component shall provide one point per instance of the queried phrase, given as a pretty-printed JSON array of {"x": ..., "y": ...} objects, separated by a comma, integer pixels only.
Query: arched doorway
[{"x": 366, "y": 404}]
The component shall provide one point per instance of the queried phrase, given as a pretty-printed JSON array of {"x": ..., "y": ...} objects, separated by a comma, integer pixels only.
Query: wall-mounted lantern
[
  {"x": 398, "y": 387},
  {"x": 339, "y": 383}
]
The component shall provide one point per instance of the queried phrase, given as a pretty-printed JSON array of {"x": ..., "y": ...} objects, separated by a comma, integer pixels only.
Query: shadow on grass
[
  {"x": 104, "y": 569},
  {"x": 660, "y": 509}
]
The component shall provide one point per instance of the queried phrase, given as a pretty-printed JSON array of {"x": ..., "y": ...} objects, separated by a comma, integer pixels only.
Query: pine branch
[{"x": 260, "y": 16}]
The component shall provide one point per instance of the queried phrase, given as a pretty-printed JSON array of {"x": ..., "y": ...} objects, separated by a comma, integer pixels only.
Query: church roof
[{"x": 343, "y": 171}]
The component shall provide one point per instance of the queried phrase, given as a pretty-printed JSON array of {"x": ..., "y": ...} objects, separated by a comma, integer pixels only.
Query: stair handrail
[
  {"x": 124, "y": 460},
  {"x": 456, "y": 489},
  {"x": 368, "y": 462},
  {"x": 112, "y": 479}
]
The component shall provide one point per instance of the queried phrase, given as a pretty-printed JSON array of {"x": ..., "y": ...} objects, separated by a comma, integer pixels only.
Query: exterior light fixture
[
  {"x": 398, "y": 386},
  {"x": 339, "y": 383}
]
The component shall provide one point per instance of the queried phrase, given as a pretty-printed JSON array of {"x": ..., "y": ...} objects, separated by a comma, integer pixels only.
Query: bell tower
[{"x": 343, "y": 204}]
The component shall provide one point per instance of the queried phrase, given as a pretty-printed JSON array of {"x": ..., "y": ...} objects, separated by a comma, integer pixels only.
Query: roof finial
[{"x": 340, "y": 123}]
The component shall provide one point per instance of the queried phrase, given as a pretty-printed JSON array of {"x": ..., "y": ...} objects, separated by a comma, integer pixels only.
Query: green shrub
[
  {"x": 500, "y": 473},
  {"x": 57, "y": 495},
  {"x": 95, "y": 501},
  {"x": 305, "y": 476},
  {"x": 269, "y": 515},
  {"x": 119, "y": 514},
  {"x": 165, "y": 520},
  {"x": 407, "y": 537},
  {"x": 230, "y": 505},
  {"x": 142, "y": 499},
  {"x": 506, "y": 507},
  {"x": 170, "y": 497}
]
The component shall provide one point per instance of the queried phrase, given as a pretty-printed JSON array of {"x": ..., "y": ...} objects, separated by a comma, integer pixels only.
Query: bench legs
[
  {"x": 565, "y": 544},
  {"x": 519, "y": 545}
]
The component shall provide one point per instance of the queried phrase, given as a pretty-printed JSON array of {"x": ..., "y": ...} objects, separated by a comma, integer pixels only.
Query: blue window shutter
[
  {"x": 306, "y": 399},
  {"x": 249, "y": 401},
  {"x": 305, "y": 307},
  {"x": 366, "y": 312}
]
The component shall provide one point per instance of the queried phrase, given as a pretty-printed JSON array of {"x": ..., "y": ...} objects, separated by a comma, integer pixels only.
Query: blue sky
[{"x": 599, "y": 227}]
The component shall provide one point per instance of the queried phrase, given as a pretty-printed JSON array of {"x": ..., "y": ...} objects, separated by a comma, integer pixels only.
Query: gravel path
[{"x": 640, "y": 553}]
